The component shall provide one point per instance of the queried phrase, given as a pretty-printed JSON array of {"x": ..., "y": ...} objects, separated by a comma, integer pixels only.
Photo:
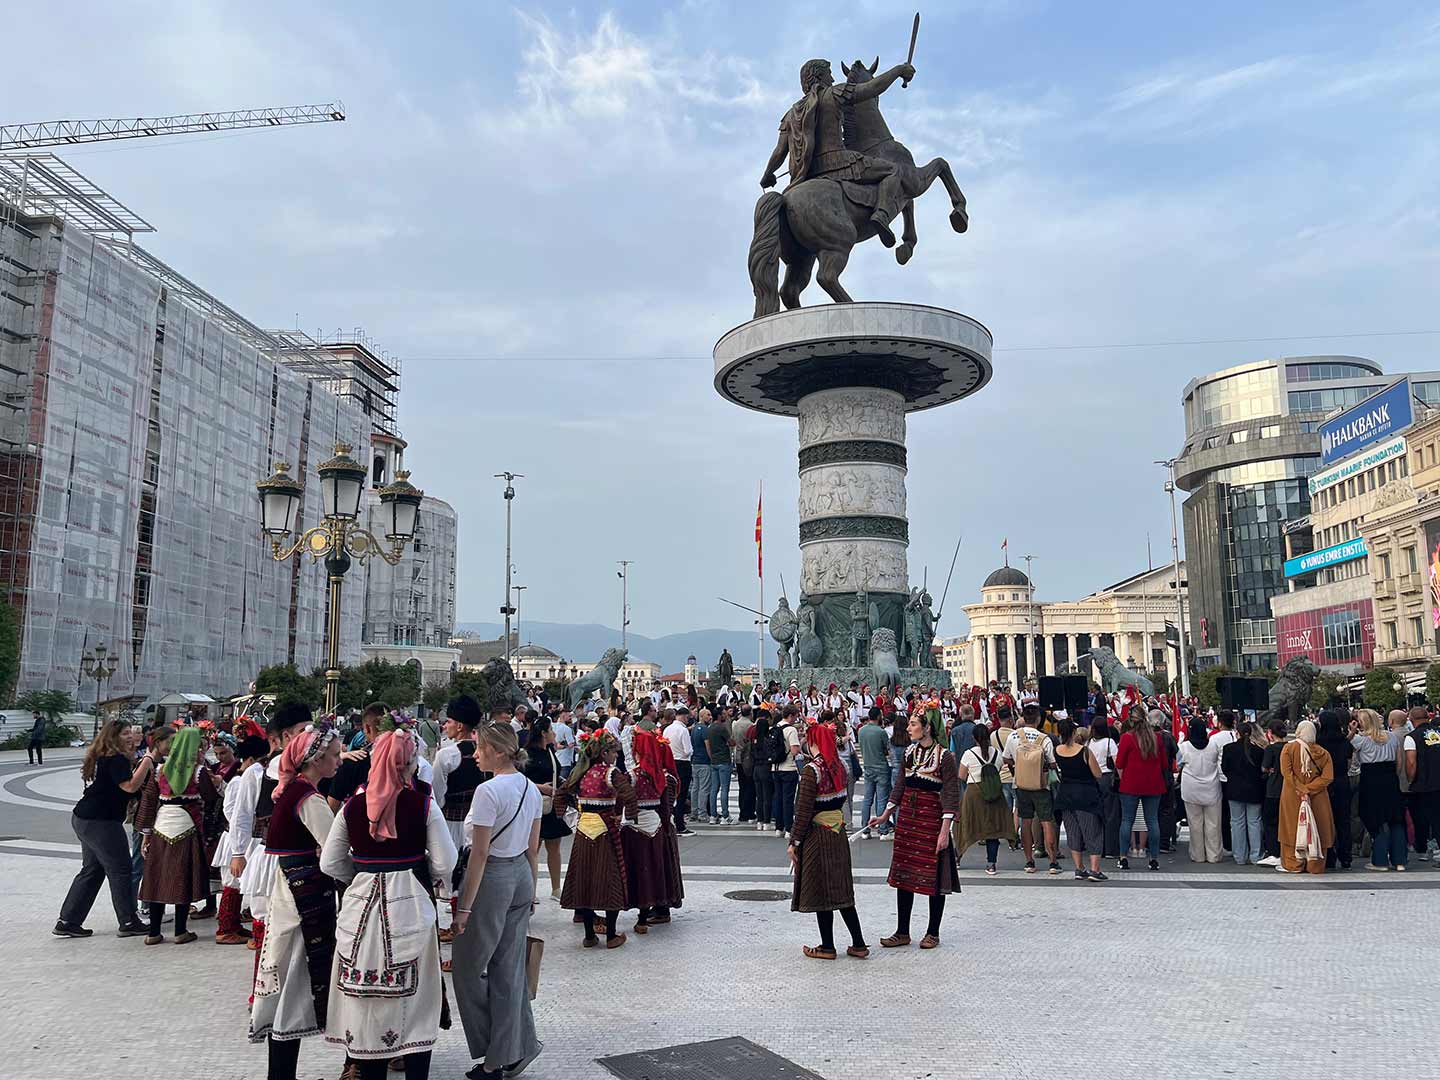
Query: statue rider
[{"x": 811, "y": 135}]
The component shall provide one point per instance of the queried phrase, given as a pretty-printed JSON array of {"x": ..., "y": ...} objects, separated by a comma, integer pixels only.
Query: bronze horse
[{"x": 817, "y": 221}]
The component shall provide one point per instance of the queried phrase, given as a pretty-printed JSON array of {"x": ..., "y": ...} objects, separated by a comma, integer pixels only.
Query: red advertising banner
[{"x": 1341, "y": 635}]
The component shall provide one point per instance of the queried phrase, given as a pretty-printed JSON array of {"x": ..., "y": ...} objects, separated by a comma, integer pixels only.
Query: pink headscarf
[
  {"x": 390, "y": 760},
  {"x": 300, "y": 751},
  {"x": 292, "y": 758}
]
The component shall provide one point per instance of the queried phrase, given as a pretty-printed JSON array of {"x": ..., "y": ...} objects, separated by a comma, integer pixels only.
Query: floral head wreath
[{"x": 395, "y": 720}]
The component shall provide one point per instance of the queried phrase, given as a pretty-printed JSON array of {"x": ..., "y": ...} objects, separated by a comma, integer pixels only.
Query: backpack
[
  {"x": 776, "y": 748},
  {"x": 990, "y": 789},
  {"x": 1029, "y": 765}
]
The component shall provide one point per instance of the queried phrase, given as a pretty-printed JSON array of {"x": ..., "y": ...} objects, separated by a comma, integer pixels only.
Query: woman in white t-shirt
[
  {"x": 980, "y": 818},
  {"x": 1199, "y": 759},
  {"x": 1104, "y": 747},
  {"x": 495, "y": 904}
]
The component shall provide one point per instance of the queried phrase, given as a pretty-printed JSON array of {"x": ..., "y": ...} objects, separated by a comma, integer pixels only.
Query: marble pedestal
[{"x": 850, "y": 373}]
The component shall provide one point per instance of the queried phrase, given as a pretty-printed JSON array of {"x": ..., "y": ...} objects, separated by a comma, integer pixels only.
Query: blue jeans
[
  {"x": 720, "y": 789},
  {"x": 877, "y": 794},
  {"x": 137, "y": 862},
  {"x": 702, "y": 790},
  {"x": 1151, "y": 803},
  {"x": 1008, "y": 790},
  {"x": 786, "y": 781},
  {"x": 1246, "y": 832},
  {"x": 1388, "y": 846}
]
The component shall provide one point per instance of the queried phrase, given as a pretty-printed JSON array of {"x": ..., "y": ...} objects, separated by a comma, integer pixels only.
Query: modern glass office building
[{"x": 1251, "y": 444}]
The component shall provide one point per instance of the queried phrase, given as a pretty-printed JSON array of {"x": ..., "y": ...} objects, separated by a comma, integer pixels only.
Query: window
[
  {"x": 1214, "y": 441},
  {"x": 1370, "y": 480},
  {"x": 1417, "y": 631},
  {"x": 1239, "y": 436},
  {"x": 1391, "y": 637},
  {"x": 1411, "y": 564},
  {"x": 1390, "y": 470},
  {"x": 1315, "y": 372},
  {"x": 1404, "y": 467},
  {"x": 1385, "y": 566},
  {"x": 1270, "y": 431}
]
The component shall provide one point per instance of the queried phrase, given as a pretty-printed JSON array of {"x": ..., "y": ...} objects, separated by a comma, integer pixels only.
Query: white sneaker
[
  {"x": 1269, "y": 860},
  {"x": 865, "y": 833}
]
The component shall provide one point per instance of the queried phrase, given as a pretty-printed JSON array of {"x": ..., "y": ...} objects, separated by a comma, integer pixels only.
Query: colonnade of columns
[{"x": 995, "y": 656}]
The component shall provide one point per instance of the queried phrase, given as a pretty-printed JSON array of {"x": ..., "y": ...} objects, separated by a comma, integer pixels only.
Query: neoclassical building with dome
[{"x": 1014, "y": 636}]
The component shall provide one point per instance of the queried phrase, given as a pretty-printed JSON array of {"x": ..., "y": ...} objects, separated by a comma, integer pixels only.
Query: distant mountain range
[{"x": 589, "y": 641}]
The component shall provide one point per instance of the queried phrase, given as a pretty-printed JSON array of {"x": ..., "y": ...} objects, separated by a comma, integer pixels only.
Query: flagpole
[{"x": 760, "y": 573}]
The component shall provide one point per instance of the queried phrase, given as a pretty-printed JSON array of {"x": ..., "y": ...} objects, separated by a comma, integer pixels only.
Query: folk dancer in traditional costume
[
  {"x": 819, "y": 850},
  {"x": 172, "y": 808},
  {"x": 674, "y": 879},
  {"x": 456, "y": 776},
  {"x": 644, "y": 840},
  {"x": 928, "y": 790},
  {"x": 497, "y": 899},
  {"x": 253, "y": 805},
  {"x": 250, "y": 752},
  {"x": 292, "y": 982},
  {"x": 390, "y": 844},
  {"x": 595, "y": 880}
]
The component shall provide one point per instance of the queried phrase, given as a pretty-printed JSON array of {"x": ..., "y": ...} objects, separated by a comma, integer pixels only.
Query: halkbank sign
[
  {"x": 1367, "y": 459},
  {"x": 1387, "y": 413}
]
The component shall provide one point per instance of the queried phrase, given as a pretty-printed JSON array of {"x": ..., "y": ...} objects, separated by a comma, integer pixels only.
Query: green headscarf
[
  {"x": 936, "y": 723},
  {"x": 179, "y": 764}
]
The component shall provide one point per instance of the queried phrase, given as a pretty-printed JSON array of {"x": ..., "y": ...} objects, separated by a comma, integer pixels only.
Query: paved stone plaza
[{"x": 1196, "y": 972}]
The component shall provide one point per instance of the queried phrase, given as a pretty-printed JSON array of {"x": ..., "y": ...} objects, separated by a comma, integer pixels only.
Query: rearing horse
[
  {"x": 821, "y": 219},
  {"x": 866, "y": 131}
]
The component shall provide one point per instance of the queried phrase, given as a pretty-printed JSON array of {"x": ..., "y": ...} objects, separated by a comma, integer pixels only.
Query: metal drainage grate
[
  {"x": 719, "y": 1059},
  {"x": 757, "y": 894}
]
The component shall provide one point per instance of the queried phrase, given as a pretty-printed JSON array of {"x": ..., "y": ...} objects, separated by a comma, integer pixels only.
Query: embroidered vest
[
  {"x": 264, "y": 806},
  {"x": 287, "y": 834},
  {"x": 461, "y": 784},
  {"x": 411, "y": 811}
]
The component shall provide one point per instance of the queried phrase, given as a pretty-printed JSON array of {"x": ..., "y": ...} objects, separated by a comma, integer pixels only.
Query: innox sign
[
  {"x": 1387, "y": 413},
  {"x": 1318, "y": 560},
  {"x": 1389, "y": 450}
]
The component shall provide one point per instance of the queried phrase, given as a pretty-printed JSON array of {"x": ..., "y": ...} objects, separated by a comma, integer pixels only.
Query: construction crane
[{"x": 77, "y": 132}]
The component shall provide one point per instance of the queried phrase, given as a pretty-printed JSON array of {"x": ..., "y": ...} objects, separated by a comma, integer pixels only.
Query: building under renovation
[{"x": 137, "y": 411}]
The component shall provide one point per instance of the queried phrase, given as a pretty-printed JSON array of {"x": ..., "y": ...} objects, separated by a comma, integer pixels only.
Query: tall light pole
[
  {"x": 1175, "y": 552},
  {"x": 624, "y": 575},
  {"x": 517, "y": 590},
  {"x": 339, "y": 537},
  {"x": 505, "y": 608},
  {"x": 1031, "y": 668}
]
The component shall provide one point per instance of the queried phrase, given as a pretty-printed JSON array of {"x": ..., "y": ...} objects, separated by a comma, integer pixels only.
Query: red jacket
[{"x": 1140, "y": 775}]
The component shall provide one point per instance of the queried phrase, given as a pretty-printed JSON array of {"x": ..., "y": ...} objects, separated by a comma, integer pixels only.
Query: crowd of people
[{"x": 346, "y": 864}]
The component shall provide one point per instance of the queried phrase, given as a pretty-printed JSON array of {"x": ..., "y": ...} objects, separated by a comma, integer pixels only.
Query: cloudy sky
[{"x": 544, "y": 210}]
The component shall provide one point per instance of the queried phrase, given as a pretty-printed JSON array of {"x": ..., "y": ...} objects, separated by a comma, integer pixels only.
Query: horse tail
[{"x": 765, "y": 253}]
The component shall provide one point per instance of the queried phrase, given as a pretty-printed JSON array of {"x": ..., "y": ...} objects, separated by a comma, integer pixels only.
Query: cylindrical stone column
[{"x": 853, "y": 531}]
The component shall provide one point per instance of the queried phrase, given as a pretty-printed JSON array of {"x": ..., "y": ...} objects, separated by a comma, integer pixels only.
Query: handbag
[
  {"x": 534, "y": 953},
  {"x": 457, "y": 876}
]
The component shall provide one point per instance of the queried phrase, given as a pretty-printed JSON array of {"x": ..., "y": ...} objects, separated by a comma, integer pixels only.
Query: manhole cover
[
  {"x": 719, "y": 1059},
  {"x": 757, "y": 894}
]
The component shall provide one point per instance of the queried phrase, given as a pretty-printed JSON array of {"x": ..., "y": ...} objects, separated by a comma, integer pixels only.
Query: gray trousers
[
  {"x": 106, "y": 857},
  {"x": 488, "y": 969}
]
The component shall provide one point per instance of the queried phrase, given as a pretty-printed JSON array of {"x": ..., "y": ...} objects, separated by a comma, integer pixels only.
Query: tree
[
  {"x": 1432, "y": 683},
  {"x": 1327, "y": 685},
  {"x": 435, "y": 695},
  {"x": 1204, "y": 685},
  {"x": 288, "y": 685},
  {"x": 555, "y": 689},
  {"x": 9, "y": 651},
  {"x": 1380, "y": 692},
  {"x": 396, "y": 685},
  {"x": 472, "y": 683}
]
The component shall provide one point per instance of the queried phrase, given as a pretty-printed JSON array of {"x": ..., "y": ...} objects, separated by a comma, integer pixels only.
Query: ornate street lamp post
[
  {"x": 338, "y": 539},
  {"x": 100, "y": 666}
]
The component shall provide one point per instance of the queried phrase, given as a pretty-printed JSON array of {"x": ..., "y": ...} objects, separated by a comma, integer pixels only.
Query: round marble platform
[{"x": 928, "y": 355}]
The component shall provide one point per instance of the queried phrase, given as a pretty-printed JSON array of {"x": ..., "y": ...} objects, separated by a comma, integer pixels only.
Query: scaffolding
[{"x": 136, "y": 412}]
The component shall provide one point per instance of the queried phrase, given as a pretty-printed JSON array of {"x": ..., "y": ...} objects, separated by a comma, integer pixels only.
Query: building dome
[
  {"x": 533, "y": 652},
  {"x": 1006, "y": 575}
]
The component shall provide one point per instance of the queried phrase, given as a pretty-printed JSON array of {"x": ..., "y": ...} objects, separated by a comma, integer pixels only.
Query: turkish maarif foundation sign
[
  {"x": 1368, "y": 459},
  {"x": 1387, "y": 413},
  {"x": 1318, "y": 560}
]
